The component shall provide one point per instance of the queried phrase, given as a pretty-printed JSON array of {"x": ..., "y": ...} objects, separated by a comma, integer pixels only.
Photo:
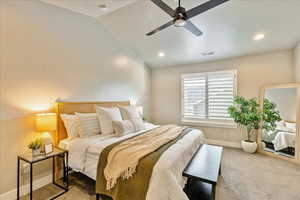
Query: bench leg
[
  {"x": 188, "y": 186},
  {"x": 213, "y": 191}
]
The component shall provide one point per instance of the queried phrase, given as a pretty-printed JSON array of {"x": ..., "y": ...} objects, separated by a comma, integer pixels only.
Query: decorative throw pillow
[
  {"x": 125, "y": 127},
  {"x": 72, "y": 124},
  {"x": 106, "y": 116},
  {"x": 89, "y": 124},
  {"x": 138, "y": 124},
  {"x": 130, "y": 112}
]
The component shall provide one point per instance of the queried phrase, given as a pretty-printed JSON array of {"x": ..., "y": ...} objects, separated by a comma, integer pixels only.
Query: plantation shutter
[
  {"x": 194, "y": 97},
  {"x": 206, "y": 96},
  {"x": 221, "y": 91}
]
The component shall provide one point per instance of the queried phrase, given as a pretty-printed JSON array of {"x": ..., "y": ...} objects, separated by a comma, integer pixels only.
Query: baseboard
[
  {"x": 12, "y": 195},
  {"x": 223, "y": 143}
]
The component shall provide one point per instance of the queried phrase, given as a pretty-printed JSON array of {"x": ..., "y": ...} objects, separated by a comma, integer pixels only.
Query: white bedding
[
  {"x": 283, "y": 140},
  {"x": 166, "y": 182}
]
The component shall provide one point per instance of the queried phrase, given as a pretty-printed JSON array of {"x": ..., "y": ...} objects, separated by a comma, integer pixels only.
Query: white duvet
[
  {"x": 166, "y": 181},
  {"x": 284, "y": 140}
]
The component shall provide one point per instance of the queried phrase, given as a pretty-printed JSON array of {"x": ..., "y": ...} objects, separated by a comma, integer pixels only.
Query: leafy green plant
[
  {"x": 270, "y": 115},
  {"x": 246, "y": 112},
  {"x": 36, "y": 144}
]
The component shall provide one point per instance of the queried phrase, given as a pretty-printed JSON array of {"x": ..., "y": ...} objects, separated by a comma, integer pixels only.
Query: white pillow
[
  {"x": 125, "y": 127},
  {"x": 290, "y": 126},
  {"x": 129, "y": 112},
  {"x": 138, "y": 124},
  {"x": 280, "y": 125},
  {"x": 89, "y": 124},
  {"x": 106, "y": 116},
  {"x": 72, "y": 124}
]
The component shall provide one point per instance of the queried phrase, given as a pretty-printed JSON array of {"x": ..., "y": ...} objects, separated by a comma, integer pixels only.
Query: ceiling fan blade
[
  {"x": 192, "y": 28},
  {"x": 164, "y": 7},
  {"x": 161, "y": 28},
  {"x": 204, "y": 7}
]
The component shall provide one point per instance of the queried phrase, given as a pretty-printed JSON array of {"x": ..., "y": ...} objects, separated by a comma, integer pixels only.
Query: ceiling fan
[{"x": 181, "y": 17}]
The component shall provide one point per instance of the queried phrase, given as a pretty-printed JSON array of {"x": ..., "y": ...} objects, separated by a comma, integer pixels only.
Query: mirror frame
[{"x": 296, "y": 159}]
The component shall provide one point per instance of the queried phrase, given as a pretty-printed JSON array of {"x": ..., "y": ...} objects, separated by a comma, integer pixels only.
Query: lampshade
[{"x": 45, "y": 122}]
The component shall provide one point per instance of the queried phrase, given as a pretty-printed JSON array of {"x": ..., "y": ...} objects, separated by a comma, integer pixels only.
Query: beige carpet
[{"x": 244, "y": 177}]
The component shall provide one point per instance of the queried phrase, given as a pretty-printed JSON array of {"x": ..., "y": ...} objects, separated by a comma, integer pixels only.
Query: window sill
[{"x": 209, "y": 124}]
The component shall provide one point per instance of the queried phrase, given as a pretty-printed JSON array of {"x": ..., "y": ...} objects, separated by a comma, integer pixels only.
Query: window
[{"x": 206, "y": 97}]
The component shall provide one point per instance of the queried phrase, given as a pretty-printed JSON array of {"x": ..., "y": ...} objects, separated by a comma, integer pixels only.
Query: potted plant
[
  {"x": 270, "y": 116},
  {"x": 35, "y": 146},
  {"x": 245, "y": 112}
]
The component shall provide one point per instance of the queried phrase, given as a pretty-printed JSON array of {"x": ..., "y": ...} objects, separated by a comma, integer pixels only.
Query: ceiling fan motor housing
[
  {"x": 180, "y": 12},
  {"x": 180, "y": 17}
]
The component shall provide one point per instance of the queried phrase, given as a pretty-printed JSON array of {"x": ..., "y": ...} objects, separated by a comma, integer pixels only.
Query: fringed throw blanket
[{"x": 125, "y": 168}]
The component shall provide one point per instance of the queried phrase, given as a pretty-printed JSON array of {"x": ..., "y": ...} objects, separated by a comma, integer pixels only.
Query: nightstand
[{"x": 31, "y": 160}]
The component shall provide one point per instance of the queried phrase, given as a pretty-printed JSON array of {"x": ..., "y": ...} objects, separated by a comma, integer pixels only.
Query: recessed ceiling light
[
  {"x": 259, "y": 36},
  {"x": 161, "y": 54},
  {"x": 102, "y": 7},
  {"x": 208, "y": 53}
]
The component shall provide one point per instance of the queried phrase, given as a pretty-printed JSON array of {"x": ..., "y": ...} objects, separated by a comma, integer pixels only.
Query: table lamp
[{"x": 46, "y": 123}]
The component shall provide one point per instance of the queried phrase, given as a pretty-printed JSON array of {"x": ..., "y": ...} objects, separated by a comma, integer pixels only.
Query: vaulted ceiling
[
  {"x": 228, "y": 29},
  {"x": 92, "y": 8}
]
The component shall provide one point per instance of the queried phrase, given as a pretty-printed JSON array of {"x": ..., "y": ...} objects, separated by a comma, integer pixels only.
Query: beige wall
[
  {"x": 48, "y": 52},
  {"x": 285, "y": 100},
  {"x": 253, "y": 73},
  {"x": 297, "y": 62},
  {"x": 1, "y": 98}
]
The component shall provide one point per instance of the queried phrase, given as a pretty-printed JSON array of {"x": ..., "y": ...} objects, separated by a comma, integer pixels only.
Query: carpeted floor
[{"x": 244, "y": 177}]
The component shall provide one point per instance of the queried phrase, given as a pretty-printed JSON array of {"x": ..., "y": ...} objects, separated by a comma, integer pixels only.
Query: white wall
[
  {"x": 48, "y": 52},
  {"x": 253, "y": 73},
  {"x": 285, "y": 100},
  {"x": 297, "y": 62}
]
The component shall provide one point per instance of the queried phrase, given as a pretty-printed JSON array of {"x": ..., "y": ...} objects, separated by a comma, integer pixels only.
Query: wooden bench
[{"x": 202, "y": 172}]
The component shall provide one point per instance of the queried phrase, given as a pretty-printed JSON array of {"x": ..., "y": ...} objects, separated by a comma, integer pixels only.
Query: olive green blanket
[{"x": 136, "y": 187}]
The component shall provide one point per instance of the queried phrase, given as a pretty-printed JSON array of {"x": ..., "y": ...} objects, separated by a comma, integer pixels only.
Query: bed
[
  {"x": 283, "y": 137},
  {"x": 166, "y": 181},
  {"x": 284, "y": 140}
]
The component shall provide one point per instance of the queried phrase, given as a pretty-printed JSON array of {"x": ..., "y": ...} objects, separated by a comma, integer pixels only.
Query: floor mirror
[{"x": 282, "y": 140}]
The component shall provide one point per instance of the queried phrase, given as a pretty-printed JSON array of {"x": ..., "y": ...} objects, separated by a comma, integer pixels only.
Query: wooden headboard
[
  {"x": 289, "y": 121},
  {"x": 82, "y": 107}
]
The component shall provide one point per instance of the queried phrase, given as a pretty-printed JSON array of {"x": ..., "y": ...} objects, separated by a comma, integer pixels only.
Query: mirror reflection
[{"x": 281, "y": 138}]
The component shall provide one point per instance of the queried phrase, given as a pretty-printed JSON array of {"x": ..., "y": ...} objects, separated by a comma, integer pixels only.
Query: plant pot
[
  {"x": 36, "y": 152},
  {"x": 249, "y": 146}
]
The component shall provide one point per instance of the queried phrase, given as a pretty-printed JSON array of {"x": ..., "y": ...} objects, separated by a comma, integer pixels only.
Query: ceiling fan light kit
[
  {"x": 181, "y": 17},
  {"x": 180, "y": 22}
]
